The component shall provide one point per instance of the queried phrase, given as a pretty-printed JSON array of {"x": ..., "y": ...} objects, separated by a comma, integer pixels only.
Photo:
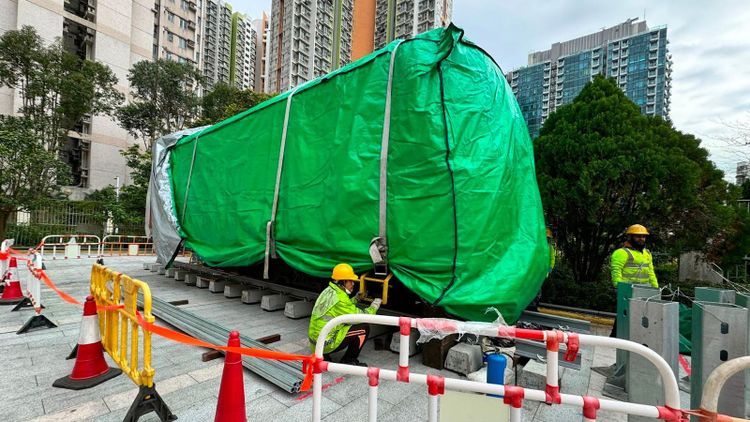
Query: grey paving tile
[{"x": 357, "y": 410}]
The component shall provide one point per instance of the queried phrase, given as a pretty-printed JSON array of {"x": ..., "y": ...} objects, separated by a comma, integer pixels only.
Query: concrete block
[
  {"x": 274, "y": 302},
  {"x": 217, "y": 286},
  {"x": 254, "y": 295},
  {"x": 179, "y": 275},
  {"x": 161, "y": 270},
  {"x": 414, "y": 348},
  {"x": 298, "y": 309},
  {"x": 233, "y": 290},
  {"x": 435, "y": 351},
  {"x": 464, "y": 358},
  {"x": 154, "y": 267},
  {"x": 147, "y": 266},
  {"x": 533, "y": 375},
  {"x": 191, "y": 279},
  {"x": 170, "y": 272},
  {"x": 202, "y": 282}
]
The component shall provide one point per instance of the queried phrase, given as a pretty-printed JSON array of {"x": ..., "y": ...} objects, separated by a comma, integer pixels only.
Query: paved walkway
[{"x": 31, "y": 362}]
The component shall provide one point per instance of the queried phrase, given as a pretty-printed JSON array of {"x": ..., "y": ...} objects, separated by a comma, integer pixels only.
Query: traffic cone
[
  {"x": 90, "y": 368},
  {"x": 4, "y": 256},
  {"x": 231, "y": 404},
  {"x": 12, "y": 293}
]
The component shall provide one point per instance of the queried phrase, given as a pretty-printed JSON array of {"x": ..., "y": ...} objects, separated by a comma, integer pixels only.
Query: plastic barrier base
[
  {"x": 147, "y": 401},
  {"x": 24, "y": 303},
  {"x": 37, "y": 321},
  {"x": 71, "y": 384}
]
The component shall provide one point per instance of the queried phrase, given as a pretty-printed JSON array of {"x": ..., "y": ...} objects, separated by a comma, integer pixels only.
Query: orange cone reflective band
[
  {"x": 90, "y": 368},
  {"x": 231, "y": 404},
  {"x": 12, "y": 292}
]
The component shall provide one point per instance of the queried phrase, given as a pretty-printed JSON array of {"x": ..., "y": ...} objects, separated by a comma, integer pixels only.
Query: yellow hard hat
[
  {"x": 549, "y": 233},
  {"x": 637, "y": 229},
  {"x": 344, "y": 272}
]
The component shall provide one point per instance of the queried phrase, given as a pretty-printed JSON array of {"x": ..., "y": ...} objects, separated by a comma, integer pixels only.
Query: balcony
[
  {"x": 191, "y": 25},
  {"x": 193, "y": 6},
  {"x": 651, "y": 83}
]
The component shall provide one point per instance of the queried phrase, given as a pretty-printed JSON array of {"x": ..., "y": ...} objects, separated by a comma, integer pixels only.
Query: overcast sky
[{"x": 709, "y": 43}]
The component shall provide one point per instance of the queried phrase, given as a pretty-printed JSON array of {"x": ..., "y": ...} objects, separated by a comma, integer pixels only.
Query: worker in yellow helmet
[
  {"x": 338, "y": 299},
  {"x": 632, "y": 263},
  {"x": 534, "y": 305}
]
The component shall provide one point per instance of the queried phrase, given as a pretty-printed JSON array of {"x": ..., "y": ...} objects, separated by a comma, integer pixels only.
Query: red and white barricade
[{"x": 512, "y": 395}]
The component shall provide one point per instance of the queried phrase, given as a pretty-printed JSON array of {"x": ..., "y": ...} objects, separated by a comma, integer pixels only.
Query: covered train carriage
[{"x": 415, "y": 159}]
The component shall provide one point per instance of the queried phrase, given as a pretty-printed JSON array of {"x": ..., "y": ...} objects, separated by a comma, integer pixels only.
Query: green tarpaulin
[{"x": 463, "y": 218}]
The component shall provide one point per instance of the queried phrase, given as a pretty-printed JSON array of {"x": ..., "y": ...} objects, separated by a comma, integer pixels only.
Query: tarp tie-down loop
[
  {"x": 270, "y": 241},
  {"x": 379, "y": 245}
]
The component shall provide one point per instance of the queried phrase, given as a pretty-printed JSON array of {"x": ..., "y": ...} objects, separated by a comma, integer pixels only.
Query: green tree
[
  {"x": 130, "y": 207},
  {"x": 57, "y": 88},
  {"x": 224, "y": 101},
  {"x": 602, "y": 165},
  {"x": 745, "y": 190},
  {"x": 29, "y": 172},
  {"x": 165, "y": 99}
]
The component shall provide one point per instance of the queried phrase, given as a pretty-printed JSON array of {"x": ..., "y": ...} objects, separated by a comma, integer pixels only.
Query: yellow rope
[{"x": 577, "y": 315}]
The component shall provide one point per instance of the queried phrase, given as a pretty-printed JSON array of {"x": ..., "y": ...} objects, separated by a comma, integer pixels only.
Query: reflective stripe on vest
[{"x": 633, "y": 271}]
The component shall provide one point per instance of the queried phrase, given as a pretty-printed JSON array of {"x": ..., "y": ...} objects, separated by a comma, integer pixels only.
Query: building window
[
  {"x": 183, "y": 42},
  {"x": 170, "y": 17},
  {"x": 184, "y": 5},
  {"x": 183, "y": 24},
  {"x": 170, "y": 37}
]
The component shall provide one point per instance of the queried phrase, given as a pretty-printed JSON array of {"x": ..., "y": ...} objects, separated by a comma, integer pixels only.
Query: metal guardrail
[
  {"x": 73, "y": 246},
  {"x": 514, "y": 396},
  {"x": 126, "y": 245}
]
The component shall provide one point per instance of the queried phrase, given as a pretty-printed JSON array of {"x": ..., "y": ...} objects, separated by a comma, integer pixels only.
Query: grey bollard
[
  {"x": 720, "y": 333},
  {"x": 655, "y": 324}
]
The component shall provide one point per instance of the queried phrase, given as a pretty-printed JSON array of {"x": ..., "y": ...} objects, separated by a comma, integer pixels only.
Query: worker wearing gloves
[
  {"x": 632, "y": 263},
  {"x": 336, "y": 300}
]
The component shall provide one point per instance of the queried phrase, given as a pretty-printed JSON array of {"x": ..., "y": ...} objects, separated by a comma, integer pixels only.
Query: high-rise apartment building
[
  {"x": 308, "y": 39},
  {"x": 634, "y": 54},
  {"x": 404, "y": 18},
  {"x": 743, "y": 172},
  {"x": 243, "y": 52},
  {"x": 117, "y": 33},
  {"x": 217, "y": 42},
  {"x": 176, "y": 28},
  {"x": 262, "y": 38}
]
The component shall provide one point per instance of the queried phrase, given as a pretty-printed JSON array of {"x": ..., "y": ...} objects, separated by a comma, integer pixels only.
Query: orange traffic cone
[
  {"x": 90, "y": 368},
  {"x": 231, "y": 404},
  {"x": 12, "y": 293}
]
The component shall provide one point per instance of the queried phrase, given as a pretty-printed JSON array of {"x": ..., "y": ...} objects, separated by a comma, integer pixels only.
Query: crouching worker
[{"x": 336, "y": 300}]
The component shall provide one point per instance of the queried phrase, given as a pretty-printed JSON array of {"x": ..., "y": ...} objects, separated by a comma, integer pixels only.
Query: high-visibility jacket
[
  {"x": 632, "y": 266},
  {"x": 332, "y": 302},
  {"x": 552, "y": 256}
]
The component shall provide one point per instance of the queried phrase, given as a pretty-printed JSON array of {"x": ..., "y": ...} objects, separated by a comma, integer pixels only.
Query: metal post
[
  {"x": 743, "y": 299},
  {"x": 655, "y": 324},
  {"x": 719, "y": 334},
  {"x": 616, "y": 385}
]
